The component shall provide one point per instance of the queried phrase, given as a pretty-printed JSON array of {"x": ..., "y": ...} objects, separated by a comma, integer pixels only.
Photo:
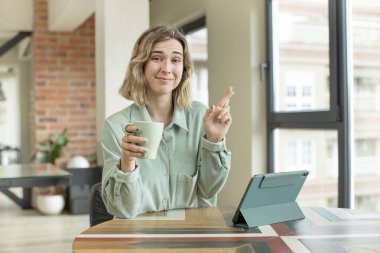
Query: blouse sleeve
[
  {"x": 121, "y": 192},
  {"x": 214, "y": 165}
]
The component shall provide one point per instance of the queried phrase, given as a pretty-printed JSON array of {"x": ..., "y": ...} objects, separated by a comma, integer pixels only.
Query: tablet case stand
[
  {"x": 269, "y": 207},
  {"x": 271, "y": 214}
]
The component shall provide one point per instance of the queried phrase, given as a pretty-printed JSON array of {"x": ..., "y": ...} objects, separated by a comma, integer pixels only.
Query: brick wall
[{"x": 63, "y": 83}]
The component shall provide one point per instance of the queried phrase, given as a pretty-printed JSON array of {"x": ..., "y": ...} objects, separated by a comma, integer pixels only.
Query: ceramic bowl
[
  {"x": 78, "y": 162},
  {"x": 50, "y": 204}
]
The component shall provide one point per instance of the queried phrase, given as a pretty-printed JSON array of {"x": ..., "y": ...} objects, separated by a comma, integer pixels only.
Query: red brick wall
[{"x": 63, "y": 83}]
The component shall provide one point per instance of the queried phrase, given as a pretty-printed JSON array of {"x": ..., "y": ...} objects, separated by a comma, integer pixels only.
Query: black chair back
[{"x": 98, "y": 211}]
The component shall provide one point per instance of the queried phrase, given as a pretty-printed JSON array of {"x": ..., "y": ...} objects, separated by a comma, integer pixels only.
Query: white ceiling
[
  {"x": 15, "y": 15},
  {"x": 63, "y": 15},
  {"x": 18, "y": 15}
]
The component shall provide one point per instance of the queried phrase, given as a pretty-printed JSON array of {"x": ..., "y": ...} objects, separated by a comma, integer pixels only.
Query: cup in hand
[{"x": 152, "y": 131}]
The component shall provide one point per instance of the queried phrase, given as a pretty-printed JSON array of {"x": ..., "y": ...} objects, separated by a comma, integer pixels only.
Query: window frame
[
  {"x": 194, "y": 25},
  {"x": 337, "y": 117}
]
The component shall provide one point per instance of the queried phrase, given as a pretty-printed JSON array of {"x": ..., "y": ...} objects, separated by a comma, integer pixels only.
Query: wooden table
[
  {"x": 28, "y": 176},
  {"x": 210, "y": 230}
]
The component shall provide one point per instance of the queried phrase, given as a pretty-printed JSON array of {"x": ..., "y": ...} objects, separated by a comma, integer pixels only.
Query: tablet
[{"x": 270, "y": 198}]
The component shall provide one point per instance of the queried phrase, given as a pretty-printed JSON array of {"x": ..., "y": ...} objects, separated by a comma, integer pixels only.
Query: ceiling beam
[
  {"x": 13, "y": 42},
  {"x": 67, "y": 15}
]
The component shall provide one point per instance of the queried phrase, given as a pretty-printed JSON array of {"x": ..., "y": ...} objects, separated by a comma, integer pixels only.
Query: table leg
[
  {"x": 27, "y": 198},
  {"x": 24, "y": 202}
]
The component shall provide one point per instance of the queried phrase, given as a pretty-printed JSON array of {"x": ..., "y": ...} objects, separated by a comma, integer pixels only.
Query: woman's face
[{"x": 164, "y": 68}]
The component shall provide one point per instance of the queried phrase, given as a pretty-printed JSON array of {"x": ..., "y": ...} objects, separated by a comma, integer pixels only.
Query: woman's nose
[{"x": 166, "y": 66}]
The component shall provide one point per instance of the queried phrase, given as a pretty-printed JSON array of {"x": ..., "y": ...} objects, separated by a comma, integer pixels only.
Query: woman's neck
[{"x": 160, "y": 110}]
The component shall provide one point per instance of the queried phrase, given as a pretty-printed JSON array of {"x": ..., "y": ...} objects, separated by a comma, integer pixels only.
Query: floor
[{"x": 31, "y": 231}]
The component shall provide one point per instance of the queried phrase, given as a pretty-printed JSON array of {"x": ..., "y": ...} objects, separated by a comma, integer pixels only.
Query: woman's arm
[
  {"x": 121, "y": 191},
  {"x": 214, "y": 158},
  {"x": 214, "y": 165}
]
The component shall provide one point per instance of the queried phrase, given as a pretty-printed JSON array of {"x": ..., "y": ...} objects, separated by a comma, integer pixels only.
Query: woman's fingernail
[{"x": 138, "y": 130}]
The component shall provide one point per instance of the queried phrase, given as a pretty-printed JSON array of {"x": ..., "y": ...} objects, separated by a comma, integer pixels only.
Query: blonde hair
[{"x": 135, "y": 84}]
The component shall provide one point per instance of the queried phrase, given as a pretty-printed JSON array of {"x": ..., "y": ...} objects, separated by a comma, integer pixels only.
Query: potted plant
[
  {"x": 51, "y": 200},
  {"x": 52, "y": 149}
]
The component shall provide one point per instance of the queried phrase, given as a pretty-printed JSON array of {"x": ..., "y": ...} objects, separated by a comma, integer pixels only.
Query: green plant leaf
[
  {"x": 93, "y": 158},
  {"x": 52, "y": 149},
  {"x": 62, "y": 140}
]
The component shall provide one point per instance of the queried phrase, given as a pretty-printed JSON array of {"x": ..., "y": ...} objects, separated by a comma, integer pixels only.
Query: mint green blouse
[{"x": 189, "y": 171}]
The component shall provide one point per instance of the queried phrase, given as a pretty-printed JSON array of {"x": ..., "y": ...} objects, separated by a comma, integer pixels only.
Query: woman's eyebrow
[
  {"x": 176, "y": 52},
  {"x": 162, "y": 52}
]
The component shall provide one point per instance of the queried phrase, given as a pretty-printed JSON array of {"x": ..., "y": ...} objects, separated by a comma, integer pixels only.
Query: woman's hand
[
  {"x": 131, "y": 149},
  {"x": 217, "y": 119}
]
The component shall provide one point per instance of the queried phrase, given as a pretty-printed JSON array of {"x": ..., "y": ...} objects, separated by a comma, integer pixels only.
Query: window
[
  {"x": 300, "y": 53},
  {"x": 367, "y": 87},
  {"x": 365, "y": 147},
  {"x": 300, "y": 91},
  {"x": 307, "y": 112},
  {"x": 365, "y": 33},
  {"x": 291, "y": 91},
  {"x": 325, "y": 54},
  {"x": 10, "y": 116},
  {"x": 196, "y": 35},
  {"x": 312, "y": 150}
]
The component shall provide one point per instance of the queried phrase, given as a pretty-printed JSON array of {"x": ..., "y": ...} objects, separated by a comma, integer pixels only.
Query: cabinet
[{"x": 78, "y": 192}]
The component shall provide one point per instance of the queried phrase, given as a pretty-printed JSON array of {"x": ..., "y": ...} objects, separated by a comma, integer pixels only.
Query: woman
[{"x": 192, "y": 161}]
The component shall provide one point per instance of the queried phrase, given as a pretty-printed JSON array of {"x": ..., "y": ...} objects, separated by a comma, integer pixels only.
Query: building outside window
[{"x": 302, "y": 74}]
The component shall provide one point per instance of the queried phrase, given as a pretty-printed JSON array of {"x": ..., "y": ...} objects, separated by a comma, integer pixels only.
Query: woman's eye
[
  {"x": 177, "y": 60},
  {"x": 156, "y": 58}
]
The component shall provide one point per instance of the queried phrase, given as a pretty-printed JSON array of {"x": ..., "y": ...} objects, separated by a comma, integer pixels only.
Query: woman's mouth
[{"x": 164, "y": 79}]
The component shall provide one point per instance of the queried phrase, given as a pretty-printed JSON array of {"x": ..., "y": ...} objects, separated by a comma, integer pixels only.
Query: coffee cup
[{"x": 152, "y": 132}]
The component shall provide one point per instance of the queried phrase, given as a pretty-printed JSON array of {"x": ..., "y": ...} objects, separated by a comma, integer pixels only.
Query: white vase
[
  {"x": 77, "y": 162},
  {"x": 50, "y": 204}
]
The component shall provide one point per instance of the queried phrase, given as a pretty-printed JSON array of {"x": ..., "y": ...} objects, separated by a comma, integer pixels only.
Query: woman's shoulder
[
  {"x": 198, "y": 106},
  {"x": 120, "y": 116},
  {"x": 197, "y": 110}
]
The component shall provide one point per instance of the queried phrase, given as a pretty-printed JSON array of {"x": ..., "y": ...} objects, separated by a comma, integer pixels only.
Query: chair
[{"x": 98, "y": 211}]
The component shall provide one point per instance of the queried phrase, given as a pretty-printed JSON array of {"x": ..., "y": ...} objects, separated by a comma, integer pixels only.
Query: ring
[{"x": 125, "y": 127}]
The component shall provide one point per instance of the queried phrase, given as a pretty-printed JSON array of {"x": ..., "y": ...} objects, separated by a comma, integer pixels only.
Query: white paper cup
[{"x": 152, "y": 131}]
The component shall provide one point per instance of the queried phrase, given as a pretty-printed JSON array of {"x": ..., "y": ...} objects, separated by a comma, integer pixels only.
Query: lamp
[{"x": 2, "y": 96}]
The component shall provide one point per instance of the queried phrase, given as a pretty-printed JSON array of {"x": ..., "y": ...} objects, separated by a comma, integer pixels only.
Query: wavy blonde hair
[{"x": 135, "y": 84}]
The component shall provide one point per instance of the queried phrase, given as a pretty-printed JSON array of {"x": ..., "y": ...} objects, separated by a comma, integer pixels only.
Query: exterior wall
[{"x": 63, "y": 83}]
